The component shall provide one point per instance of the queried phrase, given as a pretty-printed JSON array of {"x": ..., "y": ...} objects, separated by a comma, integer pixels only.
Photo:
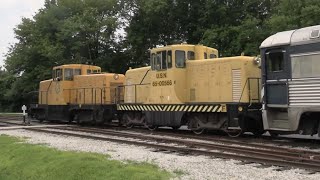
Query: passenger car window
[
  {"x": 180, "y": 59},
  {"x": 205, "y": 56},
  {"x": 88, "y": 71},
  {"x": 68, "y": 74},
  {"x": 305, "y": 66},
  {"x": 275, "y": 61}
]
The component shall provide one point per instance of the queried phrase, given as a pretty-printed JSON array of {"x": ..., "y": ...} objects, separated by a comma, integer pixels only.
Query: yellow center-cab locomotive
[
  {"x": 190, "y": 85},
  {"x": 78, "y": 92}
]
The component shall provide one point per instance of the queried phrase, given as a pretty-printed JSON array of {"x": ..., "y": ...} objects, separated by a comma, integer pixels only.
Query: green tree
[
  {"x": 292, "y": 14},
  {"x": 236, "y": 26},
  {"x": 162, "y": 22}
]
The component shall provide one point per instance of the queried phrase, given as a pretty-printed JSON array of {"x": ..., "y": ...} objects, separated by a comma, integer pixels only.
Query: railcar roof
[{"x": 305, "y": 35}]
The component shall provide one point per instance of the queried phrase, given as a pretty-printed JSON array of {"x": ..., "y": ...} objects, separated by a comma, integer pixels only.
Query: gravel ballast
[{"x": 193, "y": 167}]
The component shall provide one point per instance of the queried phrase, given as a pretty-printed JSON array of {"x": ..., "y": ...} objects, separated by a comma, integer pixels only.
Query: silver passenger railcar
[{"x": 291, "y": 81}]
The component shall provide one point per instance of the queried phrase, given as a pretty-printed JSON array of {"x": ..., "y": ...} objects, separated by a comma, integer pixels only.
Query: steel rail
[
  {"x": 223, "y": 154},
  {"x": 297, "y": 152}
]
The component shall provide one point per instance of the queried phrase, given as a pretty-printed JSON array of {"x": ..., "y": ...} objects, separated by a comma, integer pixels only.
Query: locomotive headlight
[
  {"x": 257, "y": 61},
  {"x": 116, "y": 76},
  {"x": 240, "y": 109}
]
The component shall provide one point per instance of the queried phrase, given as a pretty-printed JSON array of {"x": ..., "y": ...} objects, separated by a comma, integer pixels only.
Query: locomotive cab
[{"x": 168, "y": 71}]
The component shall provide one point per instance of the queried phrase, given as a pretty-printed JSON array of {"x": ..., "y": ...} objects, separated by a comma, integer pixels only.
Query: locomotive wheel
[
  {"x": 39, "y": 119},
  {"x": 127, "y": 119},
  {"x": 129, "y": 126},
  {"x": 234, "y": 132},
  {"x": 273, "y": 134},
  {"x": 175, "y": 127},
  {"x": 258, "y": 132},
  {"x": 198, "y": 131},
  {"x": 152, "y": 128}
]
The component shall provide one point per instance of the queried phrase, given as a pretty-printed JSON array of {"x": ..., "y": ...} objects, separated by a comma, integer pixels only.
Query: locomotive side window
[
  {"x": 180, "y": 59},
  {"x": 77, "y": 72},
  {"x": 191, "y": 55},
  {"x": 212, "y": 56},
  {"x": 275, "y": 61},
  {"x": 88, "y": 71},
  {"x": 169, "y": 58},
  {"x": 68, "y": 74},
  {"x": 205, "y": 56}
]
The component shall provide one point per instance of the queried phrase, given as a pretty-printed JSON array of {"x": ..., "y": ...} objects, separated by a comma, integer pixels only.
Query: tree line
[{"x": 116, "y": 34}]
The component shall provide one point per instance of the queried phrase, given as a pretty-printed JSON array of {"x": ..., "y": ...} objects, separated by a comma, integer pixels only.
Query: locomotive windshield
[
  {"x": 161, "y": 60},
  {"x": 180, "y": 59},
  {"x": 57, "y": 74}
]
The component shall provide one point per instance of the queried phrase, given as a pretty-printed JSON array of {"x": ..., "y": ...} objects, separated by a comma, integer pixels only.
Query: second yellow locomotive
[{"x": 78, "y": 92}]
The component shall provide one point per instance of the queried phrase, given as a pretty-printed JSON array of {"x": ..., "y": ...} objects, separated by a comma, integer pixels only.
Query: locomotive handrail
[
  {"x": 144, "y": 76},
  {"x": 135, "y": 89},
  {"x": 84, "y": 94},
  {"x": 249, "y": 89},
  {"x": 40, "y": 93}
]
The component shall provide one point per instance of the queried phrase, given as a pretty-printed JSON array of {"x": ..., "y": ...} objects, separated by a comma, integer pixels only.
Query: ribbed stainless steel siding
[
  {"x": 236, "y": 85},
  {"x": 304, "y": 92}
]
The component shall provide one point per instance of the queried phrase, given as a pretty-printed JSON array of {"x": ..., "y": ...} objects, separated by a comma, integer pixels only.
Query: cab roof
[{"x": 76, "y": 66}]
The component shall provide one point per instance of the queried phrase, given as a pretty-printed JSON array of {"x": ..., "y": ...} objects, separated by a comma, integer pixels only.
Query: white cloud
[{"x": 11, "y": 13}]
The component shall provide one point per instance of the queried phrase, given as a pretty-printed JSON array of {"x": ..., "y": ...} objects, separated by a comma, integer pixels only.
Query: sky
[{"x": 11, "y": 13}]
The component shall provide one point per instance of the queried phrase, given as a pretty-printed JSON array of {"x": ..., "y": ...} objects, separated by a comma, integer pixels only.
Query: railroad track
[
  {"x": 263, "y": 154},
  {"x": 238, "y": 149}
]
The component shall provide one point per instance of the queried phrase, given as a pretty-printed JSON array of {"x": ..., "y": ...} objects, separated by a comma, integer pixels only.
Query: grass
[
  {"x": 179, "y": 172},
  {"x": 19, "y": 160},
  {"x": 10, "y": 114}
]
